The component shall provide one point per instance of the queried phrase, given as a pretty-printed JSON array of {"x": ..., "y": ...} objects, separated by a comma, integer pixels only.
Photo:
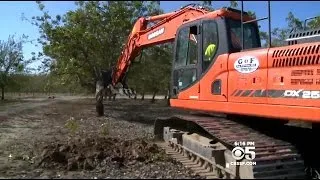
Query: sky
[{"x": 12, "y": 23}]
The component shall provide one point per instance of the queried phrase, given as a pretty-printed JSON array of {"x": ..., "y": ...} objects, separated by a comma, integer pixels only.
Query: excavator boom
[{"x": 163, "y": 31}]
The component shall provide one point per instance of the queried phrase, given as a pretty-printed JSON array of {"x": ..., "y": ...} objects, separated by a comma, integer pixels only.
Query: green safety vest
[{"x": 210, "y": 51}]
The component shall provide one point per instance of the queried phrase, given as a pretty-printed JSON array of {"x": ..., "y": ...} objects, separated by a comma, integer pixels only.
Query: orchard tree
[
  {"x": 81, "y": 43},
  {"x": 279, "y": 35},
  {"x": 11, "y": 60},
  {"x": 314, "y": 23}
]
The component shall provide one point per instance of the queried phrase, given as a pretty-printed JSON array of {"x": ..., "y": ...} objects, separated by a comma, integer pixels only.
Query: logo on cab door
[{"x": 246, "y": 64}]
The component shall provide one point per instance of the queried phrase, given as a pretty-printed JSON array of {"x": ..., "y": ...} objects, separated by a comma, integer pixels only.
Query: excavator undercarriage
[{"x": 208, "y": 145}]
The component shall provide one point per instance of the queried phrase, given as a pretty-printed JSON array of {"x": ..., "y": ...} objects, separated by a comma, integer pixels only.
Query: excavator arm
[{"x": 163, "y": 31}]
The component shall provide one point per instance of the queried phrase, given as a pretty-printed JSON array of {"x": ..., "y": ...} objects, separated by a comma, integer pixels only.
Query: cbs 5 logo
[{"x": 238, "y": 153}]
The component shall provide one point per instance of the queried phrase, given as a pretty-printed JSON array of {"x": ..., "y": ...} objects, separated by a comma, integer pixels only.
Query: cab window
[
  {"x": 250, "y": 32},
  {"x": 210, "y": 43},
  {"x": 186, "y": 57},
  {"x": 193, "y": 46},
  {"x": 182, "y": 47},
  {"x": 187, "y": 47}
]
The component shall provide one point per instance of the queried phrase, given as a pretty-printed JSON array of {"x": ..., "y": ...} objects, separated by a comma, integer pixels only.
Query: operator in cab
[{"x": 209, "y": 52}]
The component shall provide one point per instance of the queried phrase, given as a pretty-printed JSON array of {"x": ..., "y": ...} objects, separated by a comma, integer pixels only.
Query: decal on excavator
[
  {"x": 246, "y": 64},
  {"x": 304, "y": 94},
  {"x": 156, "y": 33}
]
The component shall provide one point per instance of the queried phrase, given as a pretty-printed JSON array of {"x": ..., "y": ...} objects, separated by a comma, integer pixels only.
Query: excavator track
[{"x": 210, "y": 152}]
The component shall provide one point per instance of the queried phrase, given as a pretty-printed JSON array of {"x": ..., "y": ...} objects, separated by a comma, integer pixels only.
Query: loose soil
[{"x": 63, "y": 138}]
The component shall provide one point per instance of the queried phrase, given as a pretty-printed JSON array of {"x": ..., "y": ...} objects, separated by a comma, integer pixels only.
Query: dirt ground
[{"x": 63, "y": 138}]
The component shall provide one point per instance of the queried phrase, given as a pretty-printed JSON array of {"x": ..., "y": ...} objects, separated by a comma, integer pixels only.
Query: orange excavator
[{"x": 220, "y": 67}]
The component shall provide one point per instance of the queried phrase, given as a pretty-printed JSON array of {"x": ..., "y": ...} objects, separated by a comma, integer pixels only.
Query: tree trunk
[
  {"x": 99, "y": 98},
  {"x": 153, "y": 97},
  {"x": 2, "y": 92},
  {"x": 169, "y": 95},
  {"x": 129, "y": 94},
  {"x": 109, "y": 94},
  {"x": 168, "y": 100}
]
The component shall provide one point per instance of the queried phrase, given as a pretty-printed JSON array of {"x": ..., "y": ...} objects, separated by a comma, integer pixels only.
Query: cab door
[
  {"x": 214, "y": 59},
  {"x": 185, "y": 84}
]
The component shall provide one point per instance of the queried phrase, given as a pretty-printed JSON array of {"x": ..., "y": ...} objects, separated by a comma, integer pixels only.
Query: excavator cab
[{"x": 214, "y": 36}]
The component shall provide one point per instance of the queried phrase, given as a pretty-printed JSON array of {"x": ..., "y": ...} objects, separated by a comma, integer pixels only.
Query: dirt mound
[{"x": 89, "y": 153}]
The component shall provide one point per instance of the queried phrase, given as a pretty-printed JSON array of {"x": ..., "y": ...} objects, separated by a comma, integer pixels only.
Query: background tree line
[{"x": 79, "y": 44}]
